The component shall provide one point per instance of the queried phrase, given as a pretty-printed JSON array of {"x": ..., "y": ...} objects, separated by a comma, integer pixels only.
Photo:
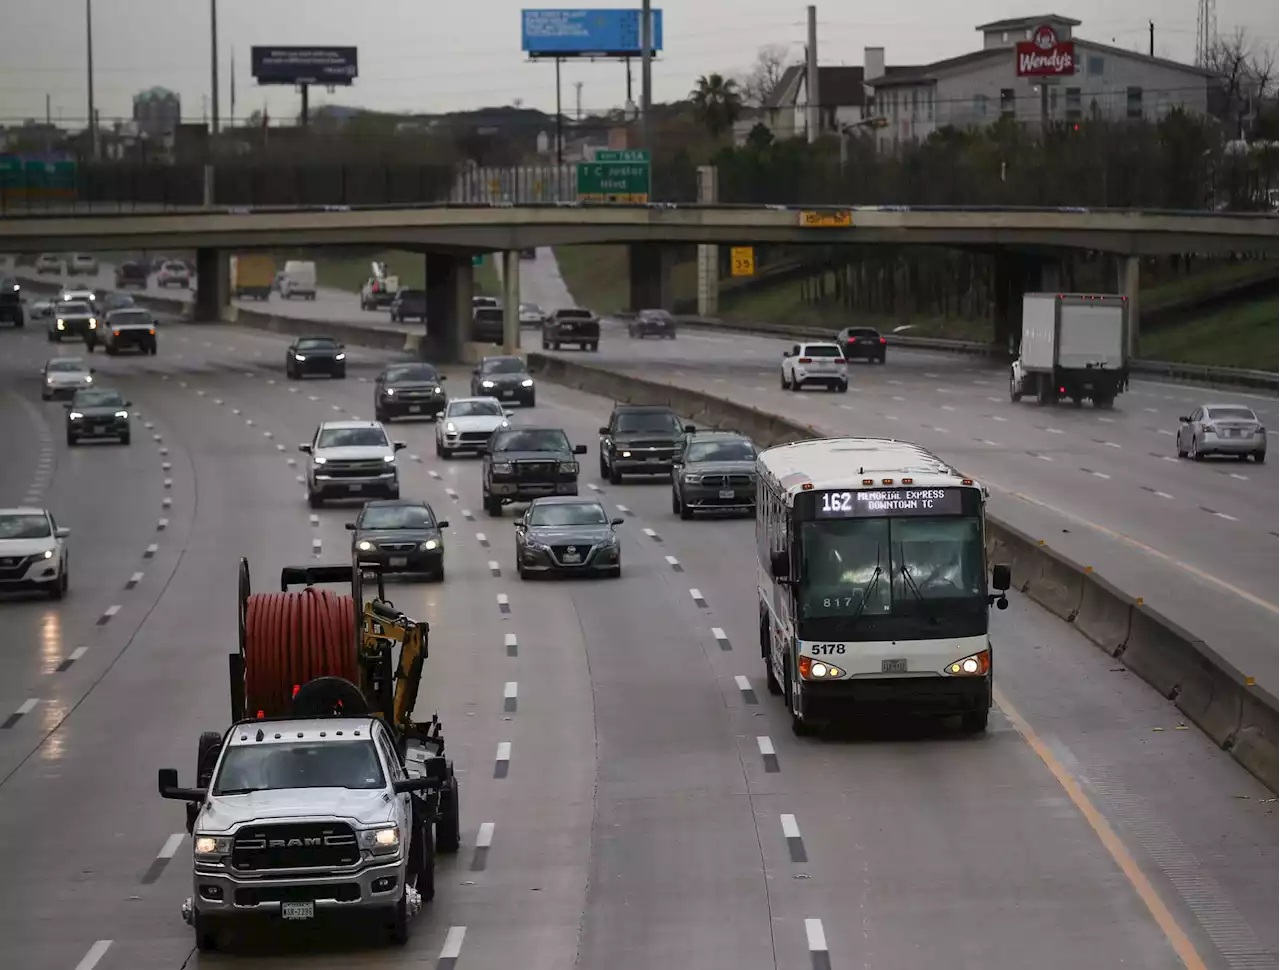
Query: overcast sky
[{"x": 432, "y": 56}]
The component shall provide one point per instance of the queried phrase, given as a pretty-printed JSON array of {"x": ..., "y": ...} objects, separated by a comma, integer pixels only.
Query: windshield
[
  {"x": 67, "y": 309},
  {"x": 545, "y": 440},
  {"x": 67, "y": 366},
  {"x": 530, "y": 308},
  {"x": 503, "y": 365},
  {"x": 1230, "y": 414},
  {"x": 352, "y": 438},
  {"x": 397, "y": 517},
  {"x": 720, "y": 451},
  {"x": 301, "y": 764},
  {"x": 98, "y": 399},
  {"x": 569, "y": 513},
  {"x": 474, "y": 409},
  {"x": 929, "y": 567},
  {"x": 24, "y": 525},
  {"x": 663, "y": 422},
  {"x": 317, "y": 343},
  {"x": 822, "y": 352},
  {"x": 411, "y": 372}
]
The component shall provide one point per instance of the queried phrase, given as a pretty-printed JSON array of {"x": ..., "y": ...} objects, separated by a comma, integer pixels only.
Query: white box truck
[{"x": 1074, "y": 345}]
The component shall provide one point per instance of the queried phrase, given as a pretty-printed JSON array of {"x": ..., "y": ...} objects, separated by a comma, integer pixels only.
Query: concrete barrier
[{"x": 1226, "y": 705}]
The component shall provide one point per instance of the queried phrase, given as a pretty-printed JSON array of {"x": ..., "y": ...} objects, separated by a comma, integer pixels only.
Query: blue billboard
[{"x": 586, "y": 33}]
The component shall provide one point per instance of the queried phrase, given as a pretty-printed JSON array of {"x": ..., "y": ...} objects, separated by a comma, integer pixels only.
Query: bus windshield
[{"x": 931, "y": 581}]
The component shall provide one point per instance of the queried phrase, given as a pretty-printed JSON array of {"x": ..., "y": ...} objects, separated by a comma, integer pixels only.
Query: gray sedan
[{"x": 1222, "y": 429}]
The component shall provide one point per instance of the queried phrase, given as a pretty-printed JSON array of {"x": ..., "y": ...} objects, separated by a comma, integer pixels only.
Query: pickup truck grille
[
  {"x": 536, "y": 470},
  {"x": 310, "y": 845},
  {"x": 354, "y": 469}
]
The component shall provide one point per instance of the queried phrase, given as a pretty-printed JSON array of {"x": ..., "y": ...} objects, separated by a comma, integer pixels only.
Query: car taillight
[
  {"x": 882, "y": 340},
  {"x": 804, "y": 360},
  {"x": 115, "y": 333},
  {"x": 853, "y": 340}
]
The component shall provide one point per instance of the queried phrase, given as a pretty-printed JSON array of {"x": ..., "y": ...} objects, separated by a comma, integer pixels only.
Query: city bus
[{"x": 872, "y": 583}]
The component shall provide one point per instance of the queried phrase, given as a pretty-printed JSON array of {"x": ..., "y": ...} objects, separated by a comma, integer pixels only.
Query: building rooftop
[{"x": 1020, "y": 23}]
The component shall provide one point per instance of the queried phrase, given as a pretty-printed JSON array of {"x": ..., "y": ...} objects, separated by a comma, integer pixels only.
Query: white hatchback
[
  {"x": 816, "y": 363},
  {"x": 33, "y": 552}
]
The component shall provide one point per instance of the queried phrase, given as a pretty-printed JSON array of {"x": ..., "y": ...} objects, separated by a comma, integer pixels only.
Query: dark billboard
[{"x": 304, "y": 65}]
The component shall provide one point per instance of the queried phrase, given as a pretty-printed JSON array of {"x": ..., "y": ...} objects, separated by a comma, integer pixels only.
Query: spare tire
[{"x": 329, "y": 695}]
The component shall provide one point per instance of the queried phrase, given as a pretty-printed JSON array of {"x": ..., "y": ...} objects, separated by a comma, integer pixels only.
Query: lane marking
[
  {"x": 1238, "y": 477},
  {"x": 509, "y": 697},
  {"x": 162, "y": 524},
  {"x": 593, "y": 486},
  {"x": 721, "y": 638},
  {"x": 996, "y": 417},
  {"x": 744, "y": 686},
  {"x": 816, "y": 937},
  {"x": 1173, "y": 932},
  {"x": 502, "y": 761},
  {"x": 484, "y": 840},
  {"x": 652, "y": 535},
  {"x": 164, "y": 451},
  {"x": 25, "y": 708},
  {"x": 624, "y": 510},
  {"x": 235, "y": 410},
  {"x": 162, "y": 858},
  {"x": 482, "y": 539},
  {"x": 504, "y": 605},
  {"x": 267, "y": 434},
  {"x": 466, "y": 514},
  {"x": 513, "y": 648},
  {"x": 76, "y": 654},
  {"x": 451, "y": 493},
  {"x": 434, "y": 474},
  {"x": 1106, "y": 420},
  {"x": 452, "y": 947},
  {"x": 418, "y": 459},
  {"x": 95, "y": 954},
  {"x": 315, "y": 546},
  {"x": 291, "y": 462},
  {"x": 947, "y": 407},
  {"x": 768, "y": 753},
  {"x": 1090, "y": 471},
  {"x": 168, "y": 483},
  {"x": 151, "y": 550},
  {"x": 313, "y": 519},
  {"x": 218, "y": 400},
  {"x": 248, "y": 422},
  {"x": 107, "y": 614},
  {"x": 674, "y": 563},
  {"x": 795, "y": 842},
  {"x": 494, "y": 568},
  {"x": 697, "y": 597},
  {"x": 133, "y": 581}
]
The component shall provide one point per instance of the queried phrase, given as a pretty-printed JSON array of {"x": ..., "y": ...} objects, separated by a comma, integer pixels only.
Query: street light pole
[
  {"x": 93, "y": 115},
  {"x": 646, "y": 72},
  {"x": 213, "y": 62}
]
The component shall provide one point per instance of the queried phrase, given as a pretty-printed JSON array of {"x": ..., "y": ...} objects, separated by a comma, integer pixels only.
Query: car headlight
[
  {"x": 389, "y": 391},
  {"x": 527, "y": 383},
  {"x": 48, "y": 380},
  {"x": 48, "y": 553},
  {"x": 122, "y": 414},
  {"x": 502, "y": 468},
  {"x": 974, "y": 665},
  {"x": 388, "y": 458},
  {"x": 92, "y": 297},
  {"x": 212, "y": 845},
  {"x": 610, "y": 541},
  {"x": 450, "y": 427},
  {"x": 319, "y": 459},
  {"x": 569, "y": 467},
  {"x": 505, "y": 424},
  {"x": 429, "y": 545},
  {"x": 299, "y": 357},
  {"x": 435, "y": 389},
  {"x": 88, "y": 378},
  {"x": 364, "y": 545},
  {"x": 536, "y": 546},
  {"x": 624, "y": 454},
  {"x": 75, "y": 415},
  {"x": 93, "y": 324},
  {"x": 341, "y": 357},
  {"x": 692, "y": 479},
  {"x": 381, "y": 841},
  {"x": 486, "y": 383},
  {"x": 62, "y": 324}
]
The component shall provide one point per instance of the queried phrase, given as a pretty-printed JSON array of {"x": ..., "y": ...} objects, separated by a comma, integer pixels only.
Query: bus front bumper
[{"x": 900, "y": 696}]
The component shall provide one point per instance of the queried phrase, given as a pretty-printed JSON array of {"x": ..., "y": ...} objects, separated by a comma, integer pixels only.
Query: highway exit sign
[{"x": 615, "y": 176}]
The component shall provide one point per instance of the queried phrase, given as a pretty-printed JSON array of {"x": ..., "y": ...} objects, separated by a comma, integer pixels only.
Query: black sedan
[
  {"x": 315, "y": 355},
  {"x": 401, "y": 536},
  {"x": 862, "y": 343},
  {"x": 652, "y": 323},
  {"x": 97, "y": 413},
  {"x": 567, "y": 535},
  {"x": 408, "y": 390}
]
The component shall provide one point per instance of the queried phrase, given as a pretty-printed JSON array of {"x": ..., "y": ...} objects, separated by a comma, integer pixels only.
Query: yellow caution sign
[
  {"x": 831, "y": 219},
  {"x": 742, "y": 259}
]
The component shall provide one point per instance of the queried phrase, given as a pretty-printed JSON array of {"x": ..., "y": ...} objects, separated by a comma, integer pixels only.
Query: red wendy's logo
[
  {"x": 1044, "y": 55},
  {"x": 1045, "y": 38}
]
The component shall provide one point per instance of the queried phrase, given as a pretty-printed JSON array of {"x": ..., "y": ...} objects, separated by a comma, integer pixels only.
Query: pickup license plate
[
  {"x": 726, "y": 493},
  {"x": 354, "y": 488},
  {"x": 893, "y": 666},
  {"x": 573, "y": 557},
  {"x": 653, "y": 458},
  {"x": 400, "y": 561},
  {"x": 508, "y": 393},
  {"x": 415, "y": 408},
  {"x": 297, "y": 910}
]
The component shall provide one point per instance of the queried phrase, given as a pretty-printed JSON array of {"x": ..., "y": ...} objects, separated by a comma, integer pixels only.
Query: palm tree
[{"x": 717, "y": 101}]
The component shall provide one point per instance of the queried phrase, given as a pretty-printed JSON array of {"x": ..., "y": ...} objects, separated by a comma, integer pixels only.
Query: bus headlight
[
  {"x": 811, "y": 669},
  {"x": 974, "y": 665}
]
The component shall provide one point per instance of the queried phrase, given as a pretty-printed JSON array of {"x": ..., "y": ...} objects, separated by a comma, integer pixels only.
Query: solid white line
[
  {"x": 742, "y": 682},
  {"x": 816, "y": 936},
  {"x": 790, "y": 829},
  {"x": 509, "y": 689},
  {"x": 452, "y": 943},
  {"x": 504, "y": 751},
  {"x": 509, "y": 640},
  {"x": 696, "y": 594},
  {"x": 672, "y": 561},
  {"x": 170, "y": 846},
  {"x": 27, "y": 706},
  {"x": 493, "y": 566},
  {"x": 96, "y": 953},
  {"x": 765, "y": 745},
  {"x": 484, "y": 838},
  {"x": 502, "y": 600}
]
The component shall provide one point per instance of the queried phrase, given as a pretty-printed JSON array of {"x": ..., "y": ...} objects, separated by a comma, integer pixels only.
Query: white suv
[
  {"x": 817, "y": 363},
  {"x": 33, "y": 552},
  {"x": 83, "y": 264},
  {"x": 173, "y": 273},
  {"x": 351, "y": 459}
]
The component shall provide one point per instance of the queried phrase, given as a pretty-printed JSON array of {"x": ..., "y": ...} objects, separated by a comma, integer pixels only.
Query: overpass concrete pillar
[
  {"x": 1008, "y": 285},
  {"x": 708, "y": 256},
  {"x": 448, "y": 307},
  {"x": 1128, "y": 272},
  {"x": 650, "y": 265},
  {"x": 510, "y": 301},
  {"x": 213, "y": 285}
]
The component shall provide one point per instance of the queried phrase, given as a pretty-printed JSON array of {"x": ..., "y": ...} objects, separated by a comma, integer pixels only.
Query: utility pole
[
  {"x": 578, "y": 89},
  {"x": 559, "y": 119},
  {"x": 1151, "y": 38},
  {"x": 811, "y": 79},
  {"x": 213, "y": 63},
  {"x": 646, "y": 74},
  {"x": 93, "y": 114}
]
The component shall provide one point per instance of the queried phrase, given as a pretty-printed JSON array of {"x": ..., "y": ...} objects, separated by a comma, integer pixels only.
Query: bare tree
[
  {"x": 762, "y": 80},
  {"x": 1247, "y": 74}
]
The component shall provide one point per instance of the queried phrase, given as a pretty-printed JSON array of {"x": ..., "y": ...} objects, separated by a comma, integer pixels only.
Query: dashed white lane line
[
  {"x": 75, "y": 655},
  {"x": 167, "y": 852},
  {"x": 994, "y": 400},
  {"x": 624, "y": 510},
  {"x": 434, "y": 474},
  {"x": 235, "y": 410},
  {"x": 466, "y": 514},
  {"x": 313, "y": 519},
  {"x": 1238, "y": 477},
  {"x": 452, "y": 947},
  {"x": 768, "y": 753},
  {"x": 218, "y": 401},
  {"x": 248, "y": 422},
  {"x": 674, "y": 563},
  {"x": 510, "y": 642},
  {"x": 94, "y": 956},
  {"x": 509, "y": 692},
  {"x": 593, "y": 486},
  {"x": 484, "y": 840},
  {"x": 293, "y": 390},
  {"x": 299, "y": 479},
  {"x": 1112, "y": 444},
  {"x": 1044, "y": 457},
  {"x": 162, "y": 524},
  {"x": 312, "y": 398},
  {"x": 1223, "y": 515},
  {"x": 947, "y": 407},
  {"x": 336, "y": 407},
  {"x": 1161, "y": 494},
  {"x": 418, "y": 459},
  {"x": 652, "y": 535},
  {"x": 133, "y": 581},
  {"x": 107, "y": 614},
  {"x": 1055, "y": 431},
  {"x": 23, "y": 709},
  {"x": 1164, "y": 431},
  {"x": 697, "y": 596},
  {"x": 482, "y": 539},
  {"x": 164, "y": 451},
  {"x": 1151, "y": 410},
  {"x": 898, "y": 397},
  {"x": 168, "y": 483},
  {"x": 291, "y": 462},
  {"x": 315, "y": 546},
  {"x": 988, "y": 441},
  {"x": 279, "y": 447},
  {"x": 795, "y": 842},
  {"x": 150, "y": 551},
  {"x": 745, "y": 688},
  {"x": 721, "y": 638},
  {"x": 816, "y": 937},
  {"x": 451, "y": 493},
  {"x": 494, "y": 568},
  {"x": 502, "y": 761},
  {"x": 996, "y": 417},
  {"x": 504, "y": 604},
  {"x": 267, "y": 434},
  {"x": 1106, "y": 420}
]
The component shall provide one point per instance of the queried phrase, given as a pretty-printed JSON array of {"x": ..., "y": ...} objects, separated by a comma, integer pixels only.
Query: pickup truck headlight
[
  {"x": 364, "y": 545},
  {"x": 450, "y": 428},
  {"x": 569, "y": 467},
  {"x": 122, "y": 414},
  {"x": 319, "y": 459},
  {"x": 429, "y": 545},
  {"x": 381, "y": 841},
  {"x": 299, "y": 357},
  {"x": 388, "y": 458},
  {"x": 340, "y": 357},
  {"x": 528, "y": 382},
  {"x": 62, "y": 324},
  {"x": 213, "y": 845},
  {"x": 389, "y": 391},
  {"x": 75, "y": 415},
  {"x": 502, "y": 468},
  {"x": 692, "y": 479},
  {"x": 486, "y": 384}
]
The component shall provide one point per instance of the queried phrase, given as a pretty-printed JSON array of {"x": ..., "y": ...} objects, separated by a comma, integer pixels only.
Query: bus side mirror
[
  {"x": 780, "y": 566},
  {"x": 1001, "y": 577}
]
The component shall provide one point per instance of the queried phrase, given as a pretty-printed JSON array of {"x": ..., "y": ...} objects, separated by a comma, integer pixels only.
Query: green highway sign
[
  {"x": 477, "y": 259},
  {"x": 608, "y": 180},
  {"x": 625, "y": 155}
]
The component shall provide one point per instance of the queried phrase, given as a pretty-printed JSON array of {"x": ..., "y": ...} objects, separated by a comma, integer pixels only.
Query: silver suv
[{"x": 351, "y": 459}]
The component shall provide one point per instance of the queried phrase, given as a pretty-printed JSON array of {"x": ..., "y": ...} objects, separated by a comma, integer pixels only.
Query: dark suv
[
  {"x": 521, "y": 464},
  {"x": 864, "y": 343},
  {"x": 132, "y": 274},
  {"x": 11, "y": 301},
  {"x": 652, "y": 323},
  {"x": 409, "y": 305},
  {"x": 572, "y": 326},
  {"x": 408, "y": 390},
  {"x": 641, "y": 440},
  {"x": 717, "y": 473}
]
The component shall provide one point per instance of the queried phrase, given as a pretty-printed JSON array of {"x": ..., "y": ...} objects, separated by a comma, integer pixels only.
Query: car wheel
[
  {"x": 492, "y": 506},
  {"x": 71, "y": 441},
  {"x": 1260, "y": 457},
  {"x": 124, "y": 439},
  {"x": 314, "y": 500},
  {"x": 843, "y": 388},
  {"x": 1195, "y": 450},
  {"x": 437, "y": 575},
  {"x": 57, "y": 589},
  {"x": 783, "y": 380},
  {"x": 604, "y": 468},
  {"x": 340, "y": 373},
  {"x": 686, "y": 512},
  {"x": 206, "y": 931},
  {"x": 615, "y": 477},
  {"x": 614, "y": 573},
  {"x": 520, "y": 571},
  {"x": 675, "y": 502}
]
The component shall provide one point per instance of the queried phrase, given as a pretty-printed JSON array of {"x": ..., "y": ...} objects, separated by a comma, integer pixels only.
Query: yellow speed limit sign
[
  {"x": 743, "y": 260},
  {"x": 829, "y": 219}
]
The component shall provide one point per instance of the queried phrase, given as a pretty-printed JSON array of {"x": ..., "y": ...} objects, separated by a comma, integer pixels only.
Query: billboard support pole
[
  {"x": 559, "y": 119},
  {"x": 306, "y": 103},
  {"x": 93, "y": 114},
  {"x": 646, "y": 72},
  {"x": 213, "y": 63}
]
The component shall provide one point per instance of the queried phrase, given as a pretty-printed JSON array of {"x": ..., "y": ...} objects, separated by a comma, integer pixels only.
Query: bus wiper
[
  {"x": 911, "y": 585},
  {"x": 868, "y": 589}
]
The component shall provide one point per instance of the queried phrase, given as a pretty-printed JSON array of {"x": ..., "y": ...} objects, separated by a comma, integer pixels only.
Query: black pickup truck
[
  {"x": 409, "y": 305},
  {"x": 11, "y": 301},
  {"x": 521, "y": 464},
  {"x": 573, "y": 325}
]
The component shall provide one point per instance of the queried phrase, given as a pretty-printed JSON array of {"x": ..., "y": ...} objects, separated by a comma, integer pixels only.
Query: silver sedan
[{"x": 1222, "y": 429}]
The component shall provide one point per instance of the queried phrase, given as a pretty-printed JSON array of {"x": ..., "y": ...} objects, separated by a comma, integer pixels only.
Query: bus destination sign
[{"x": 889, "y": 502}]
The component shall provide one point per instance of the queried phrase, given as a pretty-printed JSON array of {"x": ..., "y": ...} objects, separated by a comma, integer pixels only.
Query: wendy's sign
[{"x": 1046, "y": 56}]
